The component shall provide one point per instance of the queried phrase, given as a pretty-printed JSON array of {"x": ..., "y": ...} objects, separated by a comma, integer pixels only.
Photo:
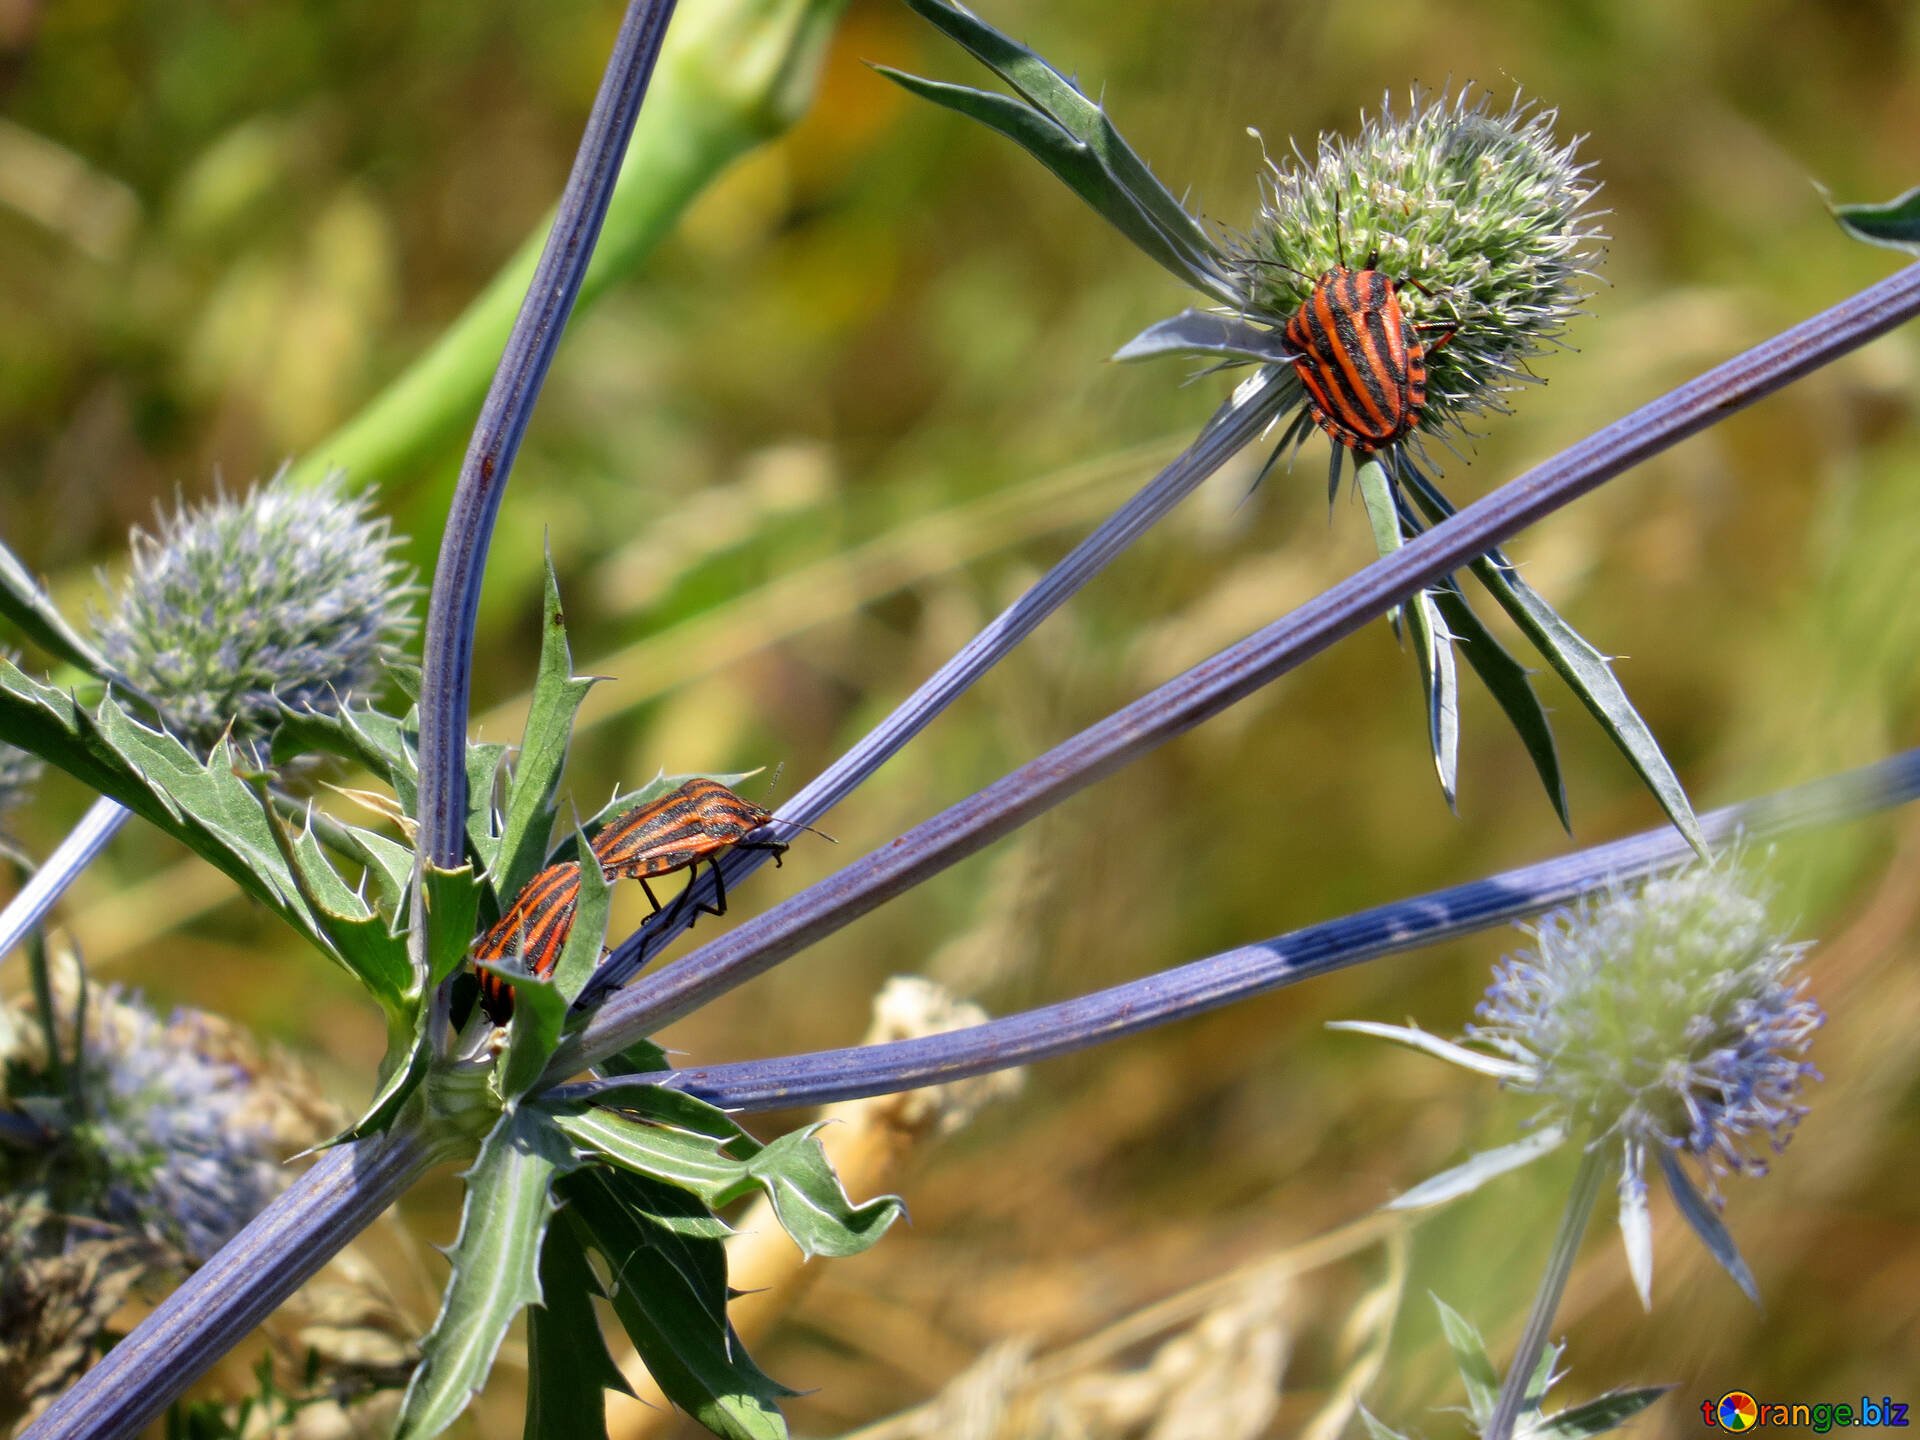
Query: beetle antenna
[{"x": 801, "y": 825}]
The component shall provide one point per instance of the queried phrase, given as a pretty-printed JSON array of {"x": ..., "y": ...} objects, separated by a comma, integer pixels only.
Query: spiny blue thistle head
[
  {"x": 290, "y": 597},
  {"x": 173, "y": 1138},
  {"x": 1482, "y": 205},
  {"x": 1668, "y": 1015}
]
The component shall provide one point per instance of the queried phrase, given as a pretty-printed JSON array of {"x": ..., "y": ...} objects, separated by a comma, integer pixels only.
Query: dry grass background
[{"x": 847, "y": 414}]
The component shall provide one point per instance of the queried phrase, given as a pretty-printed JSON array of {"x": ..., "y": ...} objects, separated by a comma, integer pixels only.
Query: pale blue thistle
[
  {"x": 290, "y": 597},
  {"x": 175, "y": 1126},
  {"x": 1667, "y": 1022}
]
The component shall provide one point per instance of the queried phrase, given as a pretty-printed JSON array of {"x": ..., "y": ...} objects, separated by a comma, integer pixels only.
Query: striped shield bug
[
  {"x": 1363, "y": 365},
  {"x": 681, "y": 830},
  {"x": 534, "y": 930}
]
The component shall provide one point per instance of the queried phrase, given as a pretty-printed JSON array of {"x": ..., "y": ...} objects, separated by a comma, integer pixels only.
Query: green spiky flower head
[
  {"x": 1482, "y": 205},
  {"x": 1672, "y": 1016},
  {"x": 235, "y": 609},
  {"x": 1662, "y": 1026}
]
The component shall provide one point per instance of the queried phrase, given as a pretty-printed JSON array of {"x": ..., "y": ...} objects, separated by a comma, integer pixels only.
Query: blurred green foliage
[{"x": 855, "y": 405}]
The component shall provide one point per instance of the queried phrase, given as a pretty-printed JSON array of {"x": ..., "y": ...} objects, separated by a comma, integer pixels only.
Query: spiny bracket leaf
[
  {"x": 1636, "y": 1222},
  {"x": 1371, "y": 480},
  {"x": 203, "y": 804},
  {"x": 1203, "y": 332},
  {"x": 1700, "y": 1216},
  {"x": 453, "y": 913},
  {"x": 496, "y": 1268},
  {"x": 812, "y": 1206},
  {"x": 389, "y": 863},
  {"x": 1432, "y": 645},
  {"x": 389, "y": 747},
  {"x": 1894, "y": 224},
  {"x": 690, "y": 1238},
  {"x": 1470, "y": 1175},
  {"x": 1598, "y": 1416},
  {"x": 27, "y": 605},
  {"x": 1440, "y": 682},
  {"x": 1471, "y": 1358},
  {"x": 557, "y": 693},
  {"x": 452, "y": 903},
  {"x": 1074, "y": 163},
  {"x": 1509, "y": 682},
  {"x": 540, "y": 1006},
  {"x": 409, "y": 1057},
  {"x": 1506, "y": 679},
  {"x": 1585, "y": 669},
  {"x": 360, "y": 937},
  {"x": 1376, "y": 1430},
  {"x": 1414, "y": 1038},
  {"x": 643, "y": 1057},
  {"x": 486, "y": 760},
  {"x": 699, "y": 1364},
  {"x": 687, "y": 1143},
  {"x": 568, "y": 1367},
  {"x": 1073, "y": 137},
  {"x": 1545, "y": 1369}
]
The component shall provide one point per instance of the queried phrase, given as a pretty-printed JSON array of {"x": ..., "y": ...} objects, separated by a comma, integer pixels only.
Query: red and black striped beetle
[{"x": 1363, "y": 365}]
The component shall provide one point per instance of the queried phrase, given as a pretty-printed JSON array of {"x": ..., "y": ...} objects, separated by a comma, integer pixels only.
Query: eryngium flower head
[
  {"x": 1668, "y": 1016},
  {"x": 288, "y": 597},
  {"x": 175, "y": 1135},
  {"x": 1483, "y": 207}
]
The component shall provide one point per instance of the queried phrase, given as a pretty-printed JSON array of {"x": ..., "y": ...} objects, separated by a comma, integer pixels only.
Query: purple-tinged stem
[
  {"x": 1514, "y": 1395},
  {"x": 60, "y": 869},
  {"x": 824, "y": 1076},
  {"x": 447, "y": 657},
  {"x": 344, "y": 1192},
  {"x": 1234, "y": 673},
  {"x": 1236, "y": 424}
]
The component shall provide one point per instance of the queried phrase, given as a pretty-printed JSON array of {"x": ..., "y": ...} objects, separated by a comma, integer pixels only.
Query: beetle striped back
[
  {"x": 535, "y": 929},
  {"x": 1365, "y": 372},
  {"x": 679, "y": 829}
]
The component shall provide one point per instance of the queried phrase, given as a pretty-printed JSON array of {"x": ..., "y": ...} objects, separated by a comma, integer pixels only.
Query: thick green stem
[
  {"x": 732, "y": 76},
  {"x": 1553, "y": 1284}
]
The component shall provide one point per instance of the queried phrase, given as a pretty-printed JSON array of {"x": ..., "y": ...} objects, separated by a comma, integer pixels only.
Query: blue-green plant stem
[
  {"x": 213, "y": 1310},
  {"x": 1237, "y": 423},
  {"x": 49, "y": 882},
  {"x": 822, "y": 1077},
  {"x": 1546, "y": 1303},
  {"x": 454, "y": 604},
  {"x": 351, "y": 1185},
  {"x": 1233, "y": 674}
]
